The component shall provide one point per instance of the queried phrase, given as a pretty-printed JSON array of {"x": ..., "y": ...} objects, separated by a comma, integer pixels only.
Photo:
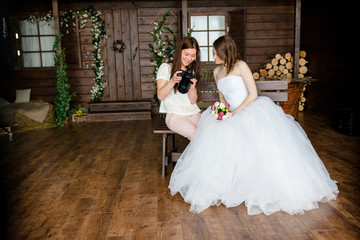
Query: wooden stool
[{"x": 167, "y": 156}]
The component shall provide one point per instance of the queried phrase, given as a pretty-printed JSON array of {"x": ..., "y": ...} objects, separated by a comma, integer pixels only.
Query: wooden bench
[{"x": 207, "y": 95}]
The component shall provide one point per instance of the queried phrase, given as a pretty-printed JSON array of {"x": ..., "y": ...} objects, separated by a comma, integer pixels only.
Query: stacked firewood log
[
  {"x": 281, "y": 67},
  {"x": 302, "y": 101}
]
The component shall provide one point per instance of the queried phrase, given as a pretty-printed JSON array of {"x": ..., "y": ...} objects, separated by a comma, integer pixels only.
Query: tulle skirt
[{"x": 260, "y": 156}]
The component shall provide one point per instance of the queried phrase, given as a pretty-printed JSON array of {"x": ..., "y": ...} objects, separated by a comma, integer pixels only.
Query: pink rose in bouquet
[{"x": 220, "y": 111}]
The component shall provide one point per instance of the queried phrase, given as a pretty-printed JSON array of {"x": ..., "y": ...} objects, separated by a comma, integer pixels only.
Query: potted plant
[{"x": 79, "y": 114}]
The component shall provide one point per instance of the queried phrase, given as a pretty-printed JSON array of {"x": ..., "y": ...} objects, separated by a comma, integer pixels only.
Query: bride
[{"x": 260, "y": 155}]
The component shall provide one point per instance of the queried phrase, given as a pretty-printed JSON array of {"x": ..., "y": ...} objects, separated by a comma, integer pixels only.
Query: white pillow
[
  {"x": 23, "y": 95},
  {"x": 3, "y": 102}
]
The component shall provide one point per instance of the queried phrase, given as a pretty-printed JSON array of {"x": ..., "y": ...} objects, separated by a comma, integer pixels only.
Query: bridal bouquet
[{"x": 220, "y": 111}]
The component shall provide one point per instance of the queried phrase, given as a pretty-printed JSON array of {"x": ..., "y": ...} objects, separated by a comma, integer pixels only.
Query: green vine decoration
[
  {"x": 98, "y": 34},
  {"x": 62, "y": 109},
  {"x": 62, "y": 97},
  {"x": 163, "y": 48}
]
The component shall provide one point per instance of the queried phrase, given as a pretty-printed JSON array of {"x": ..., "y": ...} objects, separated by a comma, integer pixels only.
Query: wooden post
[
  {"x": 184, "y": 17},
  {"x": 78, "y": 40},
  {"x": 297, "y": 37},
  {"x": 55, "y": 10}
]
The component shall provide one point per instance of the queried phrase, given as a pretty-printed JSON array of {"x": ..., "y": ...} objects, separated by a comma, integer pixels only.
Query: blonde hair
[{"x": 226, "y": 49}]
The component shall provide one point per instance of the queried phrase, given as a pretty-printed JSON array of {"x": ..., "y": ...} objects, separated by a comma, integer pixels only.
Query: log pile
[{"x": 281, "y": 67}]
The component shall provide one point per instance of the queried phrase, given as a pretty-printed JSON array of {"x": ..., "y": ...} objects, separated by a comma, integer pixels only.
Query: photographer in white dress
[{"x": 182, "y": 113}]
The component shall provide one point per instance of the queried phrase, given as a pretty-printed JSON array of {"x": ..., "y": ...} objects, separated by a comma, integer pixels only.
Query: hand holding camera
[
  {"x": 185, "y": 82},
  {"x": 176, "y": 79}
]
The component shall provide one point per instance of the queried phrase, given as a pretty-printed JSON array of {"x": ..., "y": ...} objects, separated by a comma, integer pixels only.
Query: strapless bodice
[{"x": 234, "y": 90}]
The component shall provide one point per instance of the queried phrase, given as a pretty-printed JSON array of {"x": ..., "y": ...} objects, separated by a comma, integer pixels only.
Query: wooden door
[{"x": 123, "y": 68}]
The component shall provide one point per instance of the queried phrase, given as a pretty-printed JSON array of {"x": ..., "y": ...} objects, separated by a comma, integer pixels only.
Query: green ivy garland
[
  {"x": 62, "y": 97},
  {"x": 162, "y": 50}
]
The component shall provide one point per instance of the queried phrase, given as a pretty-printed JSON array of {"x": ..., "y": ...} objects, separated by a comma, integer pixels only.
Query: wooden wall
[
  {"x": 269, "y": 30},
  {"x": 146, "y": 16}
]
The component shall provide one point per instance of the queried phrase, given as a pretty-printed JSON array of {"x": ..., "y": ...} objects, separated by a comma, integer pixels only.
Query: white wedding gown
[{"x": 260, "y": 156}]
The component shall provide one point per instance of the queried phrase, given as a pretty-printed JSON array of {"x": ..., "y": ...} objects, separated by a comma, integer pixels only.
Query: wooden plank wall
[
  {"x": 269, "y": 30},
  {"x": 42, "y": 80},
  {"x": 146, "y": 16},
  {"x": 81, "y": 78}
]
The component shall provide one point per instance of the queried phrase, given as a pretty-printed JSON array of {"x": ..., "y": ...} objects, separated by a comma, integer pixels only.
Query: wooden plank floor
[{"x": 103, "y": 181}]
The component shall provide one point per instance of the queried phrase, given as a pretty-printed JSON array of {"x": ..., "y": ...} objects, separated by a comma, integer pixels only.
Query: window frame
[
  {"x": 20, "y": 47},
  {"x": 207, "y": 14}
]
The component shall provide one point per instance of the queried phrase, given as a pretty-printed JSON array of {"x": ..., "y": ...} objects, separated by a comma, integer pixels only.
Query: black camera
[{"x": 185, "y": 82}]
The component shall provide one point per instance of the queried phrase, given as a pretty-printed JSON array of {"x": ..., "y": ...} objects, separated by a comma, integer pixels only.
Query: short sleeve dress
[{"x": 175, "y": 102}]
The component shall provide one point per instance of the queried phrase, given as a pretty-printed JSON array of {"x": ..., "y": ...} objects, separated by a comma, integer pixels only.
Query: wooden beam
[
  {"x": 297, "y": 37},
  {"x": 55, "y": 10},
  {"x": 78, "y": 41},
  {"x": 184, "y": 17},
  {"x": 118, "y": 5}
]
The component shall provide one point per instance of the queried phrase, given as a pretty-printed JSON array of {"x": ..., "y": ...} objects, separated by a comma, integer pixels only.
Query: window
[
  {"x": 206, "y": 29},
  {"x": 37, "y": 40}
]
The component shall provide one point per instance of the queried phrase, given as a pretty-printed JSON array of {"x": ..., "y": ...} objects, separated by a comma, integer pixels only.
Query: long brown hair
[
  {"x": 195, "y": 66},
  {"x": 225, "y": 48}
]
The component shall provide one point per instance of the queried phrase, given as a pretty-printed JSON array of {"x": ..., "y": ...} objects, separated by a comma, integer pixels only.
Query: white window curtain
[{"x": 37, "y": 44}]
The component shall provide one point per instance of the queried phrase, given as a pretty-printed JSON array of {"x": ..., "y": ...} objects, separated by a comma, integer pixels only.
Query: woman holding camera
[{"x": 182, "y": 113}]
